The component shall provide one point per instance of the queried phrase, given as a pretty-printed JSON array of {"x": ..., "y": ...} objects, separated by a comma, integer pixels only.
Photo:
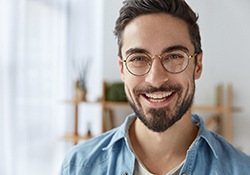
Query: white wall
[
  {"x": 110, "y": 51},
  {"x": 225, "y": 37},
  {"x": 225, "y": 27}
]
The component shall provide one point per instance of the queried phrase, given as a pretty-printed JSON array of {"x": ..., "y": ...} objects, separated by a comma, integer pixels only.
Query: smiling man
[{"x": 160, "y": 57}]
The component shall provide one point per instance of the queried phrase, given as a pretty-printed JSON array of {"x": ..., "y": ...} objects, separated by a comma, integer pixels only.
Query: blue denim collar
[
  {"x": 122, "y": 131},
  {"x": 206, "y": 135}
]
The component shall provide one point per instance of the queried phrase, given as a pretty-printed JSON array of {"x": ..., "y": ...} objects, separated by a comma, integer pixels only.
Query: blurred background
[{"x": 47, "y": 46}]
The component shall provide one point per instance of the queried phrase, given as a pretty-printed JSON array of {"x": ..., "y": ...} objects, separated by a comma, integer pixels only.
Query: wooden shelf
[
  {"x": 109, "y": 104},
  {"x": 106, "y": 108},
  {"x": 75, "y": 138},
  {"x": 218, "y": 109},
  {"x": 78, "y": 101}
]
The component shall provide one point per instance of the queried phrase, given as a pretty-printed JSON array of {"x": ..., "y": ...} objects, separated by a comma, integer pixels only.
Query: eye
[
  {"x": 137, "y": 58},
  {"x": 173, "y": 56}
]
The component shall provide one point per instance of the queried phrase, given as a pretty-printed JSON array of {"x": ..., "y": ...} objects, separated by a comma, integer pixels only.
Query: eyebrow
[
  {"x": 175, "y": 47},
  {"x": 136, "y": 50},
  {"x": 168, "y": 49}
]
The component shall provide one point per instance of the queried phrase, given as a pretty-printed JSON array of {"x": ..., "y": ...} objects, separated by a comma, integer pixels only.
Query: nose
[{"x": 157, "y": 74}]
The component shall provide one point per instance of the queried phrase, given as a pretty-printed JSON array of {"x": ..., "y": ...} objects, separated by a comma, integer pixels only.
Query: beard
[{"x": 160, "y": 119}]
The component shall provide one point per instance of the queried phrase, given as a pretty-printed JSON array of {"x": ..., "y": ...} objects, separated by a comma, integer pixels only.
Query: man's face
[{"x": 159, "y": 98}]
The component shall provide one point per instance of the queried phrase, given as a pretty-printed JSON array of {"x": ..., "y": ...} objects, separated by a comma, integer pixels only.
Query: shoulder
[
  {"x": 83, "y": 153},
  {"x": 228, "y": 158},
  {"x": 219, "y": 146},
  {"x": 224, "y": 149},
  {"x": 221, "y": 155},
  {"x": 99, "y": 154}
]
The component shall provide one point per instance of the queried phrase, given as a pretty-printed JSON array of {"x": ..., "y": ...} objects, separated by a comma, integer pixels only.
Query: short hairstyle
[{"x": 177, "y": 8}]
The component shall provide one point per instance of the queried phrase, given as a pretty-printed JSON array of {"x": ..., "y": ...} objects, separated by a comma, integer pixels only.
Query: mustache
[{"x": 163, "y": 87}]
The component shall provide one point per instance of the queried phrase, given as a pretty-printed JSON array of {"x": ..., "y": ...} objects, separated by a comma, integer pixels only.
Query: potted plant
[{"x": 81, "y": 80}]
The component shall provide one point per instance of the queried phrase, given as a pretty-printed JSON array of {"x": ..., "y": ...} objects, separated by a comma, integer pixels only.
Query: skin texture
[{"x": 163, "y": 130}]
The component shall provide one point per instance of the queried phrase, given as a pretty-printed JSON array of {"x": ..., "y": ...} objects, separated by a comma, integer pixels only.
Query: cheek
[
  {"x": 186, "y": 80},
  {"x": 189, "y": 74},
  {"x": 190, "y": 82},
  {"x": 131, "y": 83}
]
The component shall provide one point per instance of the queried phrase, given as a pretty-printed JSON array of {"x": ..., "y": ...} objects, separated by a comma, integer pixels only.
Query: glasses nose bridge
[
  {"x": 155, "y": 56},
  {"x": 152, "y": 61}
]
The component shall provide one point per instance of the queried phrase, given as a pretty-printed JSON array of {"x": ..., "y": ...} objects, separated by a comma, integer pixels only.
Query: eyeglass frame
[{"x": 152, "y": 59}]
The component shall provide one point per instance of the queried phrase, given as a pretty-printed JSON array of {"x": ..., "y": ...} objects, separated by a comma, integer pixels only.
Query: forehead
[{"x": 156, "y": 32}]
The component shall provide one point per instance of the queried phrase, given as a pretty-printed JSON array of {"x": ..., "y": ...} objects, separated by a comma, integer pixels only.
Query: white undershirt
[{"x": 140, "y": 169}]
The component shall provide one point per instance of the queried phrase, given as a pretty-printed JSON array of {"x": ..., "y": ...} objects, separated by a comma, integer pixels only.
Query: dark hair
[{"x": 177, "y": 8}]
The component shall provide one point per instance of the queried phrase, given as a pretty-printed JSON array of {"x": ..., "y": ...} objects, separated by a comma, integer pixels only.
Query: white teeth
[
  {"x": 158, "y": 95},
  {"x": 157, "y": 101}
]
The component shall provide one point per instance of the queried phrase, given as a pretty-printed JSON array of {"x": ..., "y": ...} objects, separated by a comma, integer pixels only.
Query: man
[{"x": 160, "y": 57}]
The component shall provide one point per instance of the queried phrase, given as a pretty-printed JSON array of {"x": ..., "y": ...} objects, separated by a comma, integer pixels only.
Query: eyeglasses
[{"x": 139, "y": 64}]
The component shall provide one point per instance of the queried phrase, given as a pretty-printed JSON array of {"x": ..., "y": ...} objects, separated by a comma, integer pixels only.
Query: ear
[
  {"x": 121, "y": 68},
  {"x": 198, "y": 67}
]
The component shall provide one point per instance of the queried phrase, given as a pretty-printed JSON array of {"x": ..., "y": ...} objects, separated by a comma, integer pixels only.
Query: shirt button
[{"x": 183, "y": 174}]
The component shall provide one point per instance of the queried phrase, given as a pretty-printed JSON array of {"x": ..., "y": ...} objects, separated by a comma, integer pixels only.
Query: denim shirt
[{"x": 110, "y": 154}]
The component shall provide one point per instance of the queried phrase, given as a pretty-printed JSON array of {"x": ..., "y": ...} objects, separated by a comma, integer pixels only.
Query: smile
[{"x": 158, "y": 97}]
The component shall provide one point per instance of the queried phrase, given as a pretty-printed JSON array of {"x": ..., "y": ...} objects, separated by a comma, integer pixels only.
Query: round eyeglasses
[{"x": 139, "y": 64}]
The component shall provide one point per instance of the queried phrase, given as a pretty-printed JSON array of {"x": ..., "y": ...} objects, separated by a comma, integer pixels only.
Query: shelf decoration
[
  {"x": 81, "y": 70},
  {"x": 80, "y": 91}
]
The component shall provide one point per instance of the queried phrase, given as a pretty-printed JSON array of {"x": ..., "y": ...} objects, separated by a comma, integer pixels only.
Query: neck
[{"x": 169, "y": 147}]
